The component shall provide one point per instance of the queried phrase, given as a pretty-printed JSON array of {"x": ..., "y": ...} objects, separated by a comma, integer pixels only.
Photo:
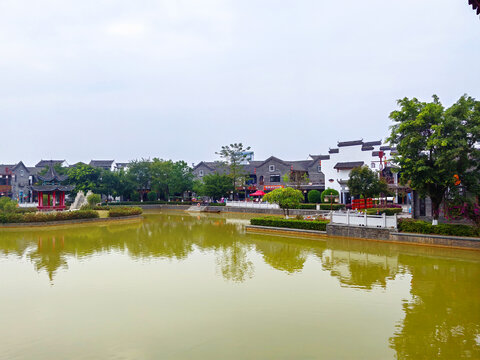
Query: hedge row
[
  {"x": 423, "y": 227},
  {"x": 290, "y": 223},
  {"x": 158, "y": 202},
  {"x": 30, "y": 217},
  {"x": 386, "y": 211},
  {"x": 124, "y": 211}
]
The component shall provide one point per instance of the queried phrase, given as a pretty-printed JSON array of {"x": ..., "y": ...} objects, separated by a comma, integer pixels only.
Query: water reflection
[{"x": 441, "y": 313}]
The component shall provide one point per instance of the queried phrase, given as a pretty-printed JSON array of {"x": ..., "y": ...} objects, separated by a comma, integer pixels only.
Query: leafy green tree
[
  {"x": 286, "y": 198},
  {"x": 94, "y": 199},
  {"x": 295, "y": 179},
  {"x": 216, "y": 186},
  {"x": 84, "y": 177},
  {"x": 57, "y": 167},
  {"x": 233, "y": 156},
  {"x": 152, "y": 196},
  {"x": 328, "y": 192},
  {"x": 364, "y": 182},
  {"x": 171, "y": 178},
  {"x": 314, "y": 197},
  {"x": 109, "y": 183},
  {"x": 434, "y": 145},
  {"x": 7, "y": 205},
  {"x": 140, "y": 174},
  {"x": 181, "y": 178}
]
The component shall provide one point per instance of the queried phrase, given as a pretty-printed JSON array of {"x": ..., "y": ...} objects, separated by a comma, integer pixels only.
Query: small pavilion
[{"x": 51, "y": 185}]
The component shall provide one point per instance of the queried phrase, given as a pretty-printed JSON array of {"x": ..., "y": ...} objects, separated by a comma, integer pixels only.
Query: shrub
[
  {"x": 314, "y": 196},
  {"x": 135, "y": 196},
  {"x": 26, "y": 210},
  {"x": 124, "y": 211},
  {"x": 332, "y": 206},
  {"x": 94, "y": 199},
  {"x": 307, "y": 206},
  {"x": 291, "y": 223},
  {"x": 31, "y": 217},
  {"x": 328, "y": 192},
  {"x": 214, "y": 204},
  {"x": 7, "y": 204},
  {"x": 158, "y": 202},
  {"x": 386, "y": 211},
  {"x": 152, "y": 196},
  {"x": 423, "y": 227}
]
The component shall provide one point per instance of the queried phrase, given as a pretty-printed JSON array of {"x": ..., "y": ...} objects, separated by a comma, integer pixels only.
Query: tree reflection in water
[{"x": 441, "y": 322}]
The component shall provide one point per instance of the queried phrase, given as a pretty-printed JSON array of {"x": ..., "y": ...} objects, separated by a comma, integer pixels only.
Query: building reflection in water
[{"x": 441, "y": 321}]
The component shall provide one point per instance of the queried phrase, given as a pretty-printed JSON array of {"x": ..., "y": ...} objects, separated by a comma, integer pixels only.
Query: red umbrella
[{"x": 258, "y": 193}]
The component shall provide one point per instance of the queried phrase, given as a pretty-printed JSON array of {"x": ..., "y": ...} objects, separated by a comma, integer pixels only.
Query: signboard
[{"x": 273, "y": 187}]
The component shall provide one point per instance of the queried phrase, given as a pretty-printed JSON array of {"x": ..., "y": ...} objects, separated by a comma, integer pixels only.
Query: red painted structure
[{"x": 53, "y": 189}]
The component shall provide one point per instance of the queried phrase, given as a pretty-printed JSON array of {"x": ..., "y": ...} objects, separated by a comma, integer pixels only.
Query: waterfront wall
[
  {"x": 231, "y": 209},
  {"x": 361, "y": 232}
]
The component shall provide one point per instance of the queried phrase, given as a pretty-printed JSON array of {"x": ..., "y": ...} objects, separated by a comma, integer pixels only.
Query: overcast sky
[{"x": 178, "y": 79}]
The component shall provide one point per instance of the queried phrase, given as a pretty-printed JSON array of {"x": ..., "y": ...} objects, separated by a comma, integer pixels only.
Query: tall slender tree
[{"x": 233, "y": 157}]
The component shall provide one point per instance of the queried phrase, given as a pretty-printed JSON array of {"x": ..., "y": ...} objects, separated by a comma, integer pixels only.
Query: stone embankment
[
  {"x": 376, "y": 234},
  {"x": 231, "y": 209}
]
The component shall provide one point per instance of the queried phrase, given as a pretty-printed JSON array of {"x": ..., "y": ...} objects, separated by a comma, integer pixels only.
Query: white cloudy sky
[{"x": 114, "y": 79}]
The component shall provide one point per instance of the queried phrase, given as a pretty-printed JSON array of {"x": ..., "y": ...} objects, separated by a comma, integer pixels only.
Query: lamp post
[{"x": 331, "y": 198}]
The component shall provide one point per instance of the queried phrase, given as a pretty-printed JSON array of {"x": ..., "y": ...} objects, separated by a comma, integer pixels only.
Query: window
[
  {"x": 274, "y": 178},
  {"x": 200, "y": 173},
  {"x": 319, "y": 168},
  {"x": 21, "y": 173},
  {"x": 373, "y": 165},
  {"x": 271, "y": 168}
]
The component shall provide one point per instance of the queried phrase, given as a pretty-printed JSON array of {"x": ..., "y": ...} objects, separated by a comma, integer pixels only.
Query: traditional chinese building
[{"x": 51, "y": 191}]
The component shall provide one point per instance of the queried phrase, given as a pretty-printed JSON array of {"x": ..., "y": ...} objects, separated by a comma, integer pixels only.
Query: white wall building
[{"x": 349, "y": 154}]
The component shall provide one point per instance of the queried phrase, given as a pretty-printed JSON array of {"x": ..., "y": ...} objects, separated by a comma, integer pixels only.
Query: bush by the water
[
  {"x": 152, "y": 196},
  {"x": 158, "y": 202},
  {"x": 124, "y": 211},
  {"x": 423, "y": 227},
  {"x": 329, "y": 192},
  {"x": 386, "y": 211},
  {"x": 314, "y": 196},
  {"x": 93, "y": 199},
  {"x": 7, "y": 205},
  {"x": 31, "y": 217},
  {"x": 320, "y": 225}
]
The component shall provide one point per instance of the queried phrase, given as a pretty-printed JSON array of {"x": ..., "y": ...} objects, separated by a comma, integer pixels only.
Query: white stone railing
[
  {"x": 362, "y": 219},
  {"x": 252, "y": 205}
]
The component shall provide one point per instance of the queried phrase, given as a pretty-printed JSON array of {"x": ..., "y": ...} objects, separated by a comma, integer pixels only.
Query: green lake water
[{"x": 180, "y": 286}]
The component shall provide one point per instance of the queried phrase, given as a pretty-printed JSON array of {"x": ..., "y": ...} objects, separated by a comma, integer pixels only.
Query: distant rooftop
[
  {"x": 43, "y": 163},
  {"x": 101, "y": 163}
]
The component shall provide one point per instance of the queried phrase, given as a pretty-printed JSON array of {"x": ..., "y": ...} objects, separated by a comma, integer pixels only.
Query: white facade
[{"x": 348, "y": 155}]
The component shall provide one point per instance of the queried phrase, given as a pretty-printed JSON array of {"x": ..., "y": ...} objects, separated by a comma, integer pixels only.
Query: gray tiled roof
[
  {"x": 349, "y": 143},
  {"x": 372, "y": 143},
  {"x": 348, "y": 165},
  {"x": 5, "y": 169},
  {"x": 320, "y": 157},
  {"x": 101, "y": 163},
  {"x": 43, "y": 163},
  {"x": 333, "y": 151}
]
